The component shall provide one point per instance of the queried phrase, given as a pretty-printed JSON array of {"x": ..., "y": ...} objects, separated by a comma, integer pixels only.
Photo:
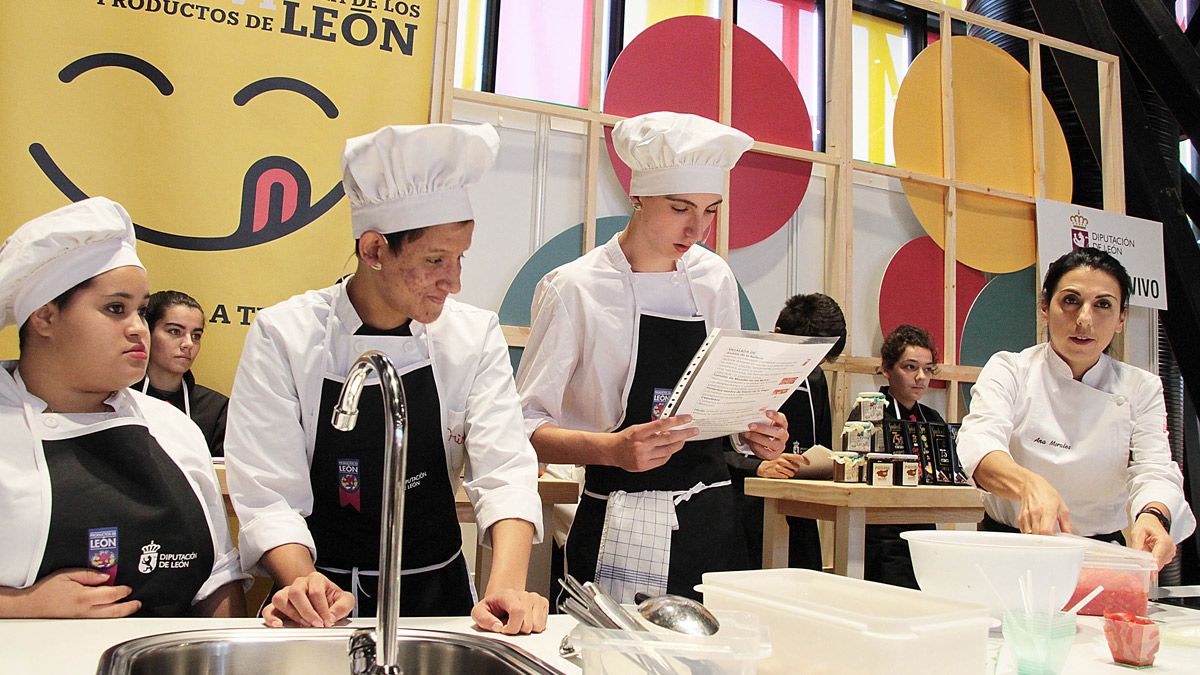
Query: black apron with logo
[
  {"x": 119, "y": 504},
  {"x": 708, "y": 539},
  {"x": 347, "y": 483}
]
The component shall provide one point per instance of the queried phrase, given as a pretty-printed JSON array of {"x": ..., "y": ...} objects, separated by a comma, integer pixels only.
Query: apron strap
[{"x": 678, "y": 496}]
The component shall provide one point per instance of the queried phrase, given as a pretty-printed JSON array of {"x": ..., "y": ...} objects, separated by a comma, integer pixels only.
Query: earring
[
  {"x": 377, "y": 266},
  {"x": 637, "y": 206}
]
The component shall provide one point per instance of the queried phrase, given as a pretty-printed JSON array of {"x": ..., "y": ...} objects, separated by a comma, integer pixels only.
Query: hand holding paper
[
  {"x": 738, "y": 376},
  {"x": 767, "y": 440}
]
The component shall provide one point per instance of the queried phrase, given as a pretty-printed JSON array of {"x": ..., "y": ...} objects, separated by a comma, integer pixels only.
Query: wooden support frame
[{"x": 837, "y": 158}]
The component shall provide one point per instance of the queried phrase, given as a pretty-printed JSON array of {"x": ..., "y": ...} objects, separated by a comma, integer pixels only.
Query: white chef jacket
[
  {"x": 272, "y": 424},
  {"x": 578, "y": 359},
  {"x": 1020, "y": 405},
  {"x": 25, "y": 496}
]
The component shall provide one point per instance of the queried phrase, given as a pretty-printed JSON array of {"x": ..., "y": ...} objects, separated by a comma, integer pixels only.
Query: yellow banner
[{"x": 218, "y": 124}]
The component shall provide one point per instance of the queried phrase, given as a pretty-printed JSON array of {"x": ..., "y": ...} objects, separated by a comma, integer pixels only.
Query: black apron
[
  {"x": 120, "y": 504},
  {"x": 347, "y": 483},
  {"x": 708, "y": 539},
  {"x": 886, "y": 555}
]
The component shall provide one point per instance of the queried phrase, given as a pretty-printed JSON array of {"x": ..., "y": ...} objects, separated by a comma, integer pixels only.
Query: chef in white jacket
[
  {"x": 110, "y": 504},
  {"x": 308, "y": 496},
  {"x": 611, "y": 334},
  {"x": 1062, "y": 436}
]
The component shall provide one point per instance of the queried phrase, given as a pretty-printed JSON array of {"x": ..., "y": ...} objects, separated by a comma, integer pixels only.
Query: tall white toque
[
  {"x": 407, "y": 177},
  {"x": 676, "y": 153}
]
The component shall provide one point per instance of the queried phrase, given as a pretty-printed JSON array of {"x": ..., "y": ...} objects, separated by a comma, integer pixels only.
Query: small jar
[
  {"x": 908, "y": 470},
  {"x": 871, "y": 405},
  {"x": 857, "y": 437},
  {"x": 881, "y": 469},
  {"x": 847, "y": 467}
]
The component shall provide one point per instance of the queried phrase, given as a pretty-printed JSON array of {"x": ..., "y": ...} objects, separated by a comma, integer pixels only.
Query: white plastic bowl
[{"x": 959, "y": 564}]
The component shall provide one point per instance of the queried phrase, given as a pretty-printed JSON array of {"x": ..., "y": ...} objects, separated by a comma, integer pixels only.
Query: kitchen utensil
[{"x": 677, "y": 613}]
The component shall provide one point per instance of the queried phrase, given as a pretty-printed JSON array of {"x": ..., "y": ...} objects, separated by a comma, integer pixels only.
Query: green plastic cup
[{"x": 1039, "y": 641}]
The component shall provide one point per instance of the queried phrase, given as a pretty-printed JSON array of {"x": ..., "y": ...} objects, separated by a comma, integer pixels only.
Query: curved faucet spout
[{"x": 391, "y": 527}]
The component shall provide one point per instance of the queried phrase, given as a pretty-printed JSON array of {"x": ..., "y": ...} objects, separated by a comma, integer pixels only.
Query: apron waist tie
[
  {"x": 356, "y": 573},
  {"x": 678, "y": 496}
]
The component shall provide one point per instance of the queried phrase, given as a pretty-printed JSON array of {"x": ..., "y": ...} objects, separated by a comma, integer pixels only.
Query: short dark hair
[
  {"x": 60, "y": 302},
  {"x": 904, "y": 336},
  {"x": 1086, "y": 257},
  {"x": 161, "y": 301},
  {"x": 815, "y": 315}
]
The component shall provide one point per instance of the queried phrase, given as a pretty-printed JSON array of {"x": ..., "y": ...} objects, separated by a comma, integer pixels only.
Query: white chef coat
[
  {"x": 272, "y": 422},
  {"x": 26, "y": 499},
  {"x": 576, "y": 364},
  {"x": 1105, "y": 468}
]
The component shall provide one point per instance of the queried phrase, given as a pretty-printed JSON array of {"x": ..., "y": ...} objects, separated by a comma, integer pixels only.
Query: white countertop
[{"x": 74, "y": 646}]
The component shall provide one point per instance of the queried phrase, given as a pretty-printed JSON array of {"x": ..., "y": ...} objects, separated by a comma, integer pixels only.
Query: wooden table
[
  {"x": 851, "y": 507},
  {"x": 552, "y": 491}
]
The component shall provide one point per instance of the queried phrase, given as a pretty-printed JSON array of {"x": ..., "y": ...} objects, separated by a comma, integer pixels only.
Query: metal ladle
[{"x": 677, "y": 613}]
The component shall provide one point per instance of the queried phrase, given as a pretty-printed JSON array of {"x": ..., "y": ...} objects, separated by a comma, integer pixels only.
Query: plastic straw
[
  {"x": 1025, "y": 581},
  {"x": 1086, "y": 599},
  {"x": 995, "y": 593}
]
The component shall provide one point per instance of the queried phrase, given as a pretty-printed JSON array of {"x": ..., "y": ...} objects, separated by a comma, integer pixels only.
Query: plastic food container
[
  {"x": 1125, "y": 573},
  {"x": 736, "y": 648},
  {"x": 821, "y": 623}
]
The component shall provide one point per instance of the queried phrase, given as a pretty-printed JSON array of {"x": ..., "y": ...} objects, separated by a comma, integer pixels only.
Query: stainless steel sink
[{"x": 298, "y": 651}]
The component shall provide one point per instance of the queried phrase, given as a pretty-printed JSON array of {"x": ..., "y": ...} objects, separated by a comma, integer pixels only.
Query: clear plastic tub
[
  {"x": 821, "y": 623},
  {"x": 1125, "y": 573},
  {"x": 735, "y": 649}
]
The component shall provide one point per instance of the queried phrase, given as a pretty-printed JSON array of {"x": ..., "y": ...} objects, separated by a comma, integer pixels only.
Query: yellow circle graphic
[{"x": 993, "y": 147}]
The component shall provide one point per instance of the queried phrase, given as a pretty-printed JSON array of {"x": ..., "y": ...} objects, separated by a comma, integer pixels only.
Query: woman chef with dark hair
[
  {"x": 110, "y": 504},
  {"x": 309, "y": 496}
]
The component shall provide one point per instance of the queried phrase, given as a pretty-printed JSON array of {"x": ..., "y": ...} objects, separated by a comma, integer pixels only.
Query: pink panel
[
  {"x": 674, "y": 65},
  {"x": 543, "y": 50}
]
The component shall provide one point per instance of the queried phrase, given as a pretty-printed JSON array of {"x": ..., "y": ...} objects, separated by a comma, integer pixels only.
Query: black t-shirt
[{"x": 208, "y": 408}]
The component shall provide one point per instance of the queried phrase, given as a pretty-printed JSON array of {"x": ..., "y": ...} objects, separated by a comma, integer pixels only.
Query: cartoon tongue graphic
[
  {"x": 275, "y": 193},
  {"x": 274, "y": 190}
]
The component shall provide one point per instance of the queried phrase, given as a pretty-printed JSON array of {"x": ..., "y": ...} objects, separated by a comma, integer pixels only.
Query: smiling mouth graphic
[{"x": 276, "y": 201}]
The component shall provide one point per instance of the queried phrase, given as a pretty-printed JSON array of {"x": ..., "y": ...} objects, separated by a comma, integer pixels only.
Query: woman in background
[
  {"x": 176, "y": 324},
  {"x": 908, "y": 361}
]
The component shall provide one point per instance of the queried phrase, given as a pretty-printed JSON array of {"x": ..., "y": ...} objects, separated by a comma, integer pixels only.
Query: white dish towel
[{"x": 635, "y": 544}]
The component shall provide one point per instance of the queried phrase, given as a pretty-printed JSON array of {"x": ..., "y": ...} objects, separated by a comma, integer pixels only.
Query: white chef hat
[
  {"x": 673, "y": 153},
  {"x": 405, "y": 177},
  {"x": 53, "y": 253}
]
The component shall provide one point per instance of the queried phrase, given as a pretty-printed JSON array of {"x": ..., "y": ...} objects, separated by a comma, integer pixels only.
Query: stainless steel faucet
[{"x": 366, "y": 656}]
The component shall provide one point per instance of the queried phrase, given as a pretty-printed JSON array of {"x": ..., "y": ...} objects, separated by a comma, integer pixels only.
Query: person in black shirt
[
  {"x": 176, "y": 324},
  {"x": 808, "y": 412},
  {"x": 909, "y": 362}
]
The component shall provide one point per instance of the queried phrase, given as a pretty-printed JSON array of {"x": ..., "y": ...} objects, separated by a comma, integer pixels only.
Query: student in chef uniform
[
  {"x": 809, "y": 424},
  {"x": 611, "y": 334},
  {"x": 110, "y": 504},
  {"x": 908, "y": 359},
  {"x": 309, "y": 496},
  {"x": 1064, "y": 437},
  {"x": 176, "y": 324}
]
